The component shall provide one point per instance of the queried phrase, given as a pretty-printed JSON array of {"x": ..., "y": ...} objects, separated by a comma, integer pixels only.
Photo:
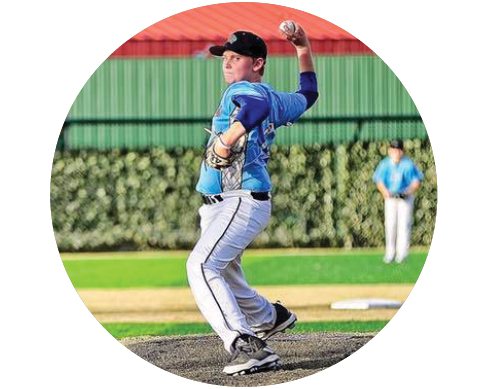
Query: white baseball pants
[
  {"x": 398, "y": 226},
  {"x": 214, "y": 267}
]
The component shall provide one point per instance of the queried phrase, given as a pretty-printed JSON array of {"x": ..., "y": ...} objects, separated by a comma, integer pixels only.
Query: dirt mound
[{"x": 202, "y": 358}]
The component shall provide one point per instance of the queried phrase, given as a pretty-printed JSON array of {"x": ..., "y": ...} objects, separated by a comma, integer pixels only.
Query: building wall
[{"x": 141, "y": 103}]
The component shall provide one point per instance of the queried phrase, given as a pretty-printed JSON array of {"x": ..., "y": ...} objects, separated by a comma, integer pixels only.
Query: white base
[{"x": 372, "y": 303}]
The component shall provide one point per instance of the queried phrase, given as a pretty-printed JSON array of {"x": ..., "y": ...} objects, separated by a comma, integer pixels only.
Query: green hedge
[{"x": 322, "y": 196}]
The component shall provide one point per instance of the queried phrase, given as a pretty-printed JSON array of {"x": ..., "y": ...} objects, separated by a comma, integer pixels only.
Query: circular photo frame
[{"x": 233, "y": 199}]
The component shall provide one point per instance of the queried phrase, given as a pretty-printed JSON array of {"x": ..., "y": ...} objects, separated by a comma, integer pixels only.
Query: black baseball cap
[
  {"x": 242, "y": 42},
  {"x": 396, "y": 144}
]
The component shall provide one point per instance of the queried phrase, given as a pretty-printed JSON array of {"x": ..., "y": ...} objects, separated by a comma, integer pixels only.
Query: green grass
[
  {"x": 125, "y": 330},
  {"x": 360, "y": 267}
]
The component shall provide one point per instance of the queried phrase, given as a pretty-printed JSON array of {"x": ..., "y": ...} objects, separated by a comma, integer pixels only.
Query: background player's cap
[
  {"x": 396, "y": 144},
  {"x": 242, "y": 42}
]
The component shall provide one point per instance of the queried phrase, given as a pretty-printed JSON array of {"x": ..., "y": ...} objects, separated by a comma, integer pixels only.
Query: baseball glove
[{"x": 216, "y": 161}]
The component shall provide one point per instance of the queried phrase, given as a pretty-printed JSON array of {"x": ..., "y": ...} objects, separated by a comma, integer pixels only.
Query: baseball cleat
[
  {"x": 251, "y": 355},
  {"x": 272, "y": 366},
  {"x": 400, "y": 259},
  {"x": 285, "y": 319}
]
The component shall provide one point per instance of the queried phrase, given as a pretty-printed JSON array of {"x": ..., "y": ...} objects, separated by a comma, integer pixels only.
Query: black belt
[
  {"x": 214, "y": 199},
  {"x": 402, "y": 196}
]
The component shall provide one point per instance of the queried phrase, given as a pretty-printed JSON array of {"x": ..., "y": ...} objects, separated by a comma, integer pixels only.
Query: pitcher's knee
[{"x": 194, "y": 264}]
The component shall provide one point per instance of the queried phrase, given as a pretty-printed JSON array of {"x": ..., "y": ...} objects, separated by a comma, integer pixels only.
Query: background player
[
  {"x": 237, "y": 200},
  {"x": 397, "y": 178}
]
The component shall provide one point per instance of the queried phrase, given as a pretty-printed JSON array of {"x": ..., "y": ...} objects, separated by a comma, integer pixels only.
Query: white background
[{"x": 50, "y": 49}]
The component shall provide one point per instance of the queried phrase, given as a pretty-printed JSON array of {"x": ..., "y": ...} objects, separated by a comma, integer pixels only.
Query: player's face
[
  {"x": 237, "y": 67},
  {"x": 395, "y": 154}
]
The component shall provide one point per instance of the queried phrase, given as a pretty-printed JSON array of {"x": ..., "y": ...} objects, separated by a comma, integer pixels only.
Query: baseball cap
[
  {"x": 242, "y": 42},
  {"x": 396, "y": 144}
]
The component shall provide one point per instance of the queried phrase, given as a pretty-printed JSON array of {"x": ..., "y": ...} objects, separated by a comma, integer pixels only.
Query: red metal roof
[{"x": 191, "y": 32}]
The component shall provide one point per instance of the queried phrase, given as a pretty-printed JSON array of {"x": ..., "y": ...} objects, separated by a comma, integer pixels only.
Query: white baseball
[{"x": 288, "y": 27}]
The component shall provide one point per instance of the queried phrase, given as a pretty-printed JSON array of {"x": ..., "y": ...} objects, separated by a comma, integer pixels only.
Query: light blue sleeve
[
  {"x": 414, "y": 173},
  {"x": 380, "y": 173},
  {"x": 290, "y": 107}
]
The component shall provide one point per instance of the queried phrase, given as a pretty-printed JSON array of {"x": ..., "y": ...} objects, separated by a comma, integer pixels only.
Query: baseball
[{"x": 288, "y": 27}]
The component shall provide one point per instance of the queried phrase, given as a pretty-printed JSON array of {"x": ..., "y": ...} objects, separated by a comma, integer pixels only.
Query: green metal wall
[{"x": 358, "y": 97}]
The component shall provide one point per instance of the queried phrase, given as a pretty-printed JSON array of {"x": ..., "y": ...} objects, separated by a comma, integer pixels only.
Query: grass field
[
  {"x": 127, "y": 271},
  {"x": 277, "y": 269},
  {"x": 123, "y": 330}
]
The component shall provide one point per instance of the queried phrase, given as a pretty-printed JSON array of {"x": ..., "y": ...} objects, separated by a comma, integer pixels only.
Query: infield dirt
[
  {"x": 172, "y": 305},
  {"x": 202, "y": 357}
]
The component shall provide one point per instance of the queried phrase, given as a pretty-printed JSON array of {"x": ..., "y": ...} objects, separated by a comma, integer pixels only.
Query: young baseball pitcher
[{"x": 235, "y": 186}]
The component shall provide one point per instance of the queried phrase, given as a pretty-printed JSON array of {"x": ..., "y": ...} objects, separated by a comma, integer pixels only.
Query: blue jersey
[
  {"x": 397, "y": 177},
  {"x": 249, "y": 171}
]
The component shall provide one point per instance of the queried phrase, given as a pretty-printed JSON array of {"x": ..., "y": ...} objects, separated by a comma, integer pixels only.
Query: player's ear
[{"x": 258, "y": 64}]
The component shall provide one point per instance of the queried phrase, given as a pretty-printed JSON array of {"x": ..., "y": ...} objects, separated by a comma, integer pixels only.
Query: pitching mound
[{"x": 202, "y": 358}]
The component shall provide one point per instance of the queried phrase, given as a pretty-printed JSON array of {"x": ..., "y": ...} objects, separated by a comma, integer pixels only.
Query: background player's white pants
[
  {"x": 214, "y": 267},
  {"x": 398, "y": 226}
]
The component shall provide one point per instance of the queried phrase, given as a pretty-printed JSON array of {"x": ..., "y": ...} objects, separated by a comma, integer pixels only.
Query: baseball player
[
  {"x": 397, "y": 178},
  {"x": 235, "y": 186}
]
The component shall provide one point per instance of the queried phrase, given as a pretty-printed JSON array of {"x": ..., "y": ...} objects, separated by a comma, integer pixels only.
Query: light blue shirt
[
  {"x": 397, "y": 177},
  {"x": 250, "y": 171}
]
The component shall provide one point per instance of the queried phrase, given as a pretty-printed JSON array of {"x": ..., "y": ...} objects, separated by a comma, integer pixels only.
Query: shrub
[{"x": 322, "y": 196}]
